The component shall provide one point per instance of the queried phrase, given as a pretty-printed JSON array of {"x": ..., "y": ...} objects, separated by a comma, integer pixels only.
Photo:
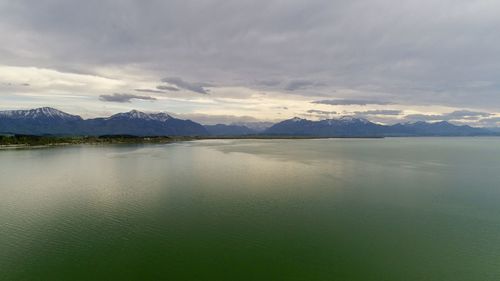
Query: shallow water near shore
[{"x": 325, "y": 209}]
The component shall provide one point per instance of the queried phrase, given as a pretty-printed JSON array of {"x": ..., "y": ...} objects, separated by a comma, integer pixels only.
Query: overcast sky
[{"x": 218, "y": 60}]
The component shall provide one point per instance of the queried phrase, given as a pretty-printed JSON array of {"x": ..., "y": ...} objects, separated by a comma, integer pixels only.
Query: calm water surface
[{"x": 380, "y": 209}]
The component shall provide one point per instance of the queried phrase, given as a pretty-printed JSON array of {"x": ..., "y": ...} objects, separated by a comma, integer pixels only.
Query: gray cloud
[
  {"x": 351, "y": 102},
  {"x": 194, "y": 87},
  {"x": 380, "y": 112},
  {"x": 209, "y": 119},
  {"x": 281, "y": 107},
  {"x": 123, "y": 98},
  {"x": 149, "y": 91},
  {"x": 299, "y": 85},
  {"x": 268, "y": 83},
  {"x": 383, "y": 46},
  {"x": 386, "y": 116},
  {"x": 321, "y": 112},
  {"x": 490, "y": 122},
  {"x": 423, "y": 117},
  {"x": 466, "y": 113},
  {"x": 167, "y": 88},
  {"x": 8, "y": 84},
  {"x": 455, "y": 115}
]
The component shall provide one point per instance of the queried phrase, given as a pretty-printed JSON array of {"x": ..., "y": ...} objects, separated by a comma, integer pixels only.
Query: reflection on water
[{"x": 339, "y": 209}]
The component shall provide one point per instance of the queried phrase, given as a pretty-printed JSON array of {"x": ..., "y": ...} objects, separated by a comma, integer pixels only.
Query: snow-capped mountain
[
  {"x": 351, "y": 120},
  {"x": 39, "y": 113},
  {"x": 138, "y": 115},
  {"x": 442, "y": 128},
  {"x": 162, "y": 117},
  {"x": 357, "y": 127},
  {"x": 39, "y": 121},
  {"x": 143, "y": 124},
  {"x": 133, "y": 114},
  {"x": 345, "y": 126},
  {"x": 48, "y": 120}
]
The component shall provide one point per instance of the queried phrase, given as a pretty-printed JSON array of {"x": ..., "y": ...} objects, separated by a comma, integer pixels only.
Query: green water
[{"x": 380, "y": 209}]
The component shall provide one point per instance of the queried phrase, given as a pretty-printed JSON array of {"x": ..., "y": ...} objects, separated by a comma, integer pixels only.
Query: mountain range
[
  {"x": 50, "y": 121},
  {"x": 357, "y": 127},
  {"x": 46, "y": 120}
]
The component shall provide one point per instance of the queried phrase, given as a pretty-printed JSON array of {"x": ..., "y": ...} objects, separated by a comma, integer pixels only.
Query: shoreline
[
  {"x": 38, "y": 142},
  {"x": 34, "y": 142}
]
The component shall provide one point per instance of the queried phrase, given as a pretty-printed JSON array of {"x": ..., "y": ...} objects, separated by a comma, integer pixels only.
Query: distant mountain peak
[
  {"x": 351, "y": 126},
  {"x": 36, "y": 113},
  {"x": 345, "y": 120},
  {"x": 161, "y": 116},
  {"x": 139, "y": 115},
  {"x": 353, "y": 119},
  {"x": 136, "y": 114},
  {"x": 333, "y": 121}
]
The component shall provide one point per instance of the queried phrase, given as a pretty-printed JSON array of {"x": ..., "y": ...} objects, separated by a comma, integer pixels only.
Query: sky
[{"x": 219, "y": 61}]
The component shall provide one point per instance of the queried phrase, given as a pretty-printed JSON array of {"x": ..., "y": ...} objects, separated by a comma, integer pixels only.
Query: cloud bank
[
  {"x": 178, "y": 82},
  {"x": 351, "y": 102},
  {"x": 421, "y": 57},
  {"x": 122, "y": 98}
]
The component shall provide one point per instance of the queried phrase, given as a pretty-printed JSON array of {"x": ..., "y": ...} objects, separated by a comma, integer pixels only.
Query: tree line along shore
[
  {"x": 16, "y": 140},
  {"x": 33, "y": 140}
]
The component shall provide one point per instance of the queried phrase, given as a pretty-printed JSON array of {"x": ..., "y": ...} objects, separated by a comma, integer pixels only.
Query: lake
[{"x": 327, "y": 209}]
